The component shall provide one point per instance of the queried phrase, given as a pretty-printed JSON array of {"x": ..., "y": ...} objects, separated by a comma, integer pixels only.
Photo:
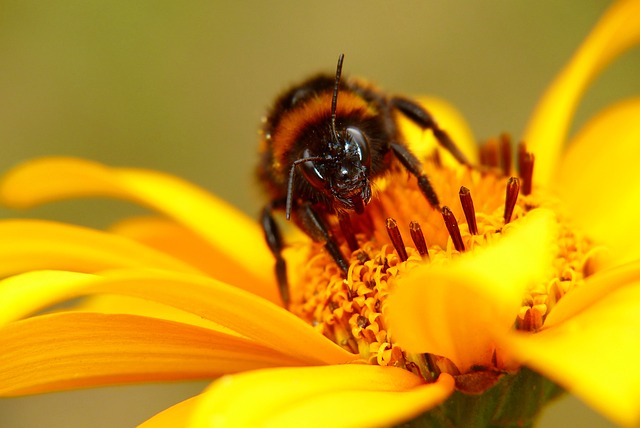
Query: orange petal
[
  {"x": 594, "y": 354},
  {"x": 73, "y": 350},
  {"x": 599, "y": 178},
  {"x": 241, "y": 311},
  {"x": 118, "y": 304},
  {"x": 182, "y": 243},
  {"x": 37, "y": 244},
  {"x": 221, "y": 225},
  {"x": 617, "y": 31},
  {"x": 336, "y": 396},
  {"x": 455, "y": 310},
  {"x": 451, "y": 120}
]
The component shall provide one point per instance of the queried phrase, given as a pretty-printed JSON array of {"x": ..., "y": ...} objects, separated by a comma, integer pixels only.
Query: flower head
[{"x": 526, "y": 275}]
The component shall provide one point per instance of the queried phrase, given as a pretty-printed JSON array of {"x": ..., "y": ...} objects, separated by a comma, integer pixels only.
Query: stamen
[
  {"x": 513, "y": 188},
  {"x": 526, "y": 160},
  {"x": 347, "y": 231},
  {"x": 396, "y": 239},
  {"x": 452, "y": 226},
  {"x": 469, "y": 210},
  {"x": 522, "y": 150},
  {"x": 489, "y": 154},
  {"x": 418, "y": 238},
  {"x": 505, "y": 153}
]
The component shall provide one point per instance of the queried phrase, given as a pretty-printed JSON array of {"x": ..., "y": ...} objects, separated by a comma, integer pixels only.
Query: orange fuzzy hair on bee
[{"x": 313, "y": 111}]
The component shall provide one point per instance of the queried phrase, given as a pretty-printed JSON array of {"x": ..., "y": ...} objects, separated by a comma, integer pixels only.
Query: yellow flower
[{"x": 549, "y": 283}]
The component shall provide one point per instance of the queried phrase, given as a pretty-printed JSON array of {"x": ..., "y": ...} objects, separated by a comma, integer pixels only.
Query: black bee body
[
  {"x": 299, "y": 126},
  {"x": 323, "y": 143}
]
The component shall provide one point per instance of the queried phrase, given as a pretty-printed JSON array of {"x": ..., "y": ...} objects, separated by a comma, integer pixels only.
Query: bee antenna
[
  {"x": 334, "y": 99},
  {"x": 292, "y": 172}
]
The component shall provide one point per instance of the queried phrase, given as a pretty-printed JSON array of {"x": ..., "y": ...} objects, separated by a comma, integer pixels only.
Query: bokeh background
[{"x": 181, "y": 87}]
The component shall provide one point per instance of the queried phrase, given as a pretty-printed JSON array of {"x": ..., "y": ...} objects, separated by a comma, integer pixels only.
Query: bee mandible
[{"x": 323, "y": 144}]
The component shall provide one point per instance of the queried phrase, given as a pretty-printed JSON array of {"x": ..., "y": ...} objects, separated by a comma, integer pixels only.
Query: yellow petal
[
  {"x": 37, "y": 244},
  {"x": 594, "y": 289},
  {"x": 73, "y": 350},
  {"x": 221, "y": 225},
  {"x": 31, "y": 292},
  {"x": 182, "y": 243},
  {"x": 455, "y": 310},
  {"x": 599, "y": 178},
  {"x": 449, "y": 119},
  {"x": 593, "y": 355},
  {"x": 174, "y": 416},
  {"x": 241, "y": 311},
  {"x": 336, "y": 396},
  {"x": 617, "y": 31}
]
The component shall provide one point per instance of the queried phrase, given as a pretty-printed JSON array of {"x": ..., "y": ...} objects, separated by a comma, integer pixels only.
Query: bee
[{"x": 323, "y": 144}]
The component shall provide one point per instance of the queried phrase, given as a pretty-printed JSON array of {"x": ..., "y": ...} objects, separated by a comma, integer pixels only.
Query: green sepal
[{"x": 513, "y": 400}]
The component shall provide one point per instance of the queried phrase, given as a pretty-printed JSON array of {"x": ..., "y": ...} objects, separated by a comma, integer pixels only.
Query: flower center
[{"x": 478, "y": 205}]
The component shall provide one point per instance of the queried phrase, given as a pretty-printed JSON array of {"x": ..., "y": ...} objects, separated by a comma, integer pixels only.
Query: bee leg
[
  {"x": 413, "y": 165},
  {"x": 423, "y": 118},
  {"x": 274, "y": 241},
  {"x": 315, "y": 227}
]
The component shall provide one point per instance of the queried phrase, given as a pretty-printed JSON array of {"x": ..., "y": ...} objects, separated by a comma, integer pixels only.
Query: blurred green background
[{"x": 181, "y": 87}]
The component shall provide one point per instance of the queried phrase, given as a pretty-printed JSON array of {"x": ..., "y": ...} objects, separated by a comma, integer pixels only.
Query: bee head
[{"x": 342, "y": 173}]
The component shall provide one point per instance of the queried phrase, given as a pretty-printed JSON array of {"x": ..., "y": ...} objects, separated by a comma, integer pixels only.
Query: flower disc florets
[{"x": 351, "y": 311}]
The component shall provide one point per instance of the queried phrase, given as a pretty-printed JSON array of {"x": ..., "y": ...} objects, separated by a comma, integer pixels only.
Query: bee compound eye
[
  {"x": 312, "y": 173},
  {"x": 362, "y": 145}
]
